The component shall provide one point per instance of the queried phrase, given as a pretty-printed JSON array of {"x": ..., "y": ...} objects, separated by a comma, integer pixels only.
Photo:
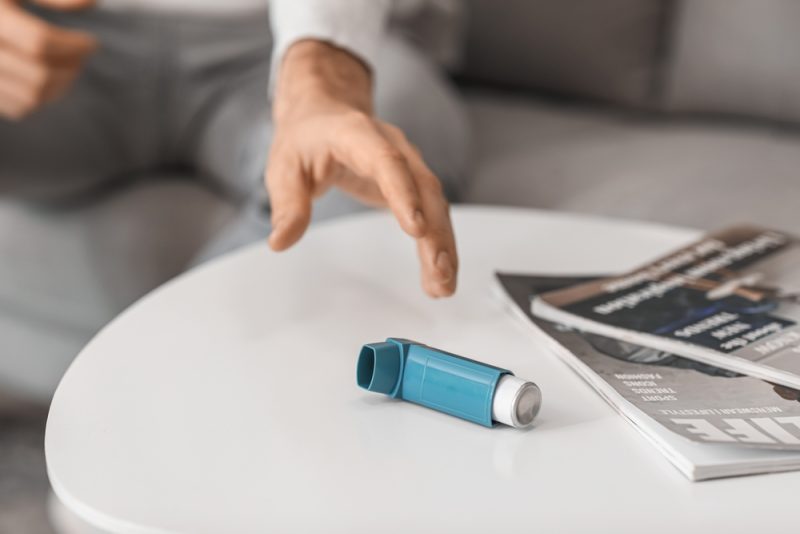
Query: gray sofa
[{"x": 682, "y": 112}]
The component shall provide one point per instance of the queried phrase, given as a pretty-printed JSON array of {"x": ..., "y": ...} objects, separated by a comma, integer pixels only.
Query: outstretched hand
[{"x": 326, "y": 136}]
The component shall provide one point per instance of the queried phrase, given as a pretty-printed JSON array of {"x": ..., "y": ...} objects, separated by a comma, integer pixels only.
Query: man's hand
[
  {"x": 38, "y": 62},
  {"x": 327, "y": 136}
]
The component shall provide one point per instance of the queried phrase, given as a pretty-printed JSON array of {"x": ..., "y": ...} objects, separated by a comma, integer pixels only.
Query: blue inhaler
[{"x": 448, "y": 383}]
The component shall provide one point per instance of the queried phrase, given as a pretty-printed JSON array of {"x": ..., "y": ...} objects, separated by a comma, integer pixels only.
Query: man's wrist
[{"x": 315, "y": 72}]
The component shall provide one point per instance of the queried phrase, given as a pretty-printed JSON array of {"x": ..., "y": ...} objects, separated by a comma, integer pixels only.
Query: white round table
[{"x": 226, "y": 401}]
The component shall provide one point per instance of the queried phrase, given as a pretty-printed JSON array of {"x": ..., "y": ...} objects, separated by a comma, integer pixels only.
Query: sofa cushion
[
  {"x": 532, "y": 153},
  {"x": 607, "y": 50},
  {"x": 737, "y": 57}
]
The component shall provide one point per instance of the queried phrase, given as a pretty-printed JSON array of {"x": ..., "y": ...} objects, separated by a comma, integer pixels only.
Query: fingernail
[{"x": 445, "y": 266}]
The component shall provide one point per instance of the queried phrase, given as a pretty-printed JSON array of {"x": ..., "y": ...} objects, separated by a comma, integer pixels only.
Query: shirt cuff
[{"x": 354, "y": 25}]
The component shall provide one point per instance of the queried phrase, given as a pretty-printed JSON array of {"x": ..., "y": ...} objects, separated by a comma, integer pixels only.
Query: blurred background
[{"x": 684, "y": 112}]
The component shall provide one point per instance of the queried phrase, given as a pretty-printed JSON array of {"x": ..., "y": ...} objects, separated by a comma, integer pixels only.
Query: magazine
[
  {"x": 709, "y": 422},
  {"x": 729, "y": 300}
]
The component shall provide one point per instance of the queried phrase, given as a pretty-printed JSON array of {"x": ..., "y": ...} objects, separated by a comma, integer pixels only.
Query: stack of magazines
[{"x": 699, "y": 349}]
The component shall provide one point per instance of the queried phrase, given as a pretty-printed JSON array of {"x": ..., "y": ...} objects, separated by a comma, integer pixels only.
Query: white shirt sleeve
[{"x": 355, "y": 25}]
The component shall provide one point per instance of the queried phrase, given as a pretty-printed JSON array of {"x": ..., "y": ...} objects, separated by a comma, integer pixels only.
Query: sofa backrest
[
  {"x": 601, "y": 49},
  {"x": 739, "y": 57}
]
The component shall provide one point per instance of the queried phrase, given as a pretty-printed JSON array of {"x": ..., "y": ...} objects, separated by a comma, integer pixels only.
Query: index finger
[{"x": 37, "y": 39}]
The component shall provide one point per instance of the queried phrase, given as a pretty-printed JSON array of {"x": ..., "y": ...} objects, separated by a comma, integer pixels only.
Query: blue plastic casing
[{"x": 417, "y": 373}]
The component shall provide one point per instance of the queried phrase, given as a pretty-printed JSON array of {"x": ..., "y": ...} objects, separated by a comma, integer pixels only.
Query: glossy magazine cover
[
  {"x": 729, "y": 300},
  {"x": 699, "y": 402}
]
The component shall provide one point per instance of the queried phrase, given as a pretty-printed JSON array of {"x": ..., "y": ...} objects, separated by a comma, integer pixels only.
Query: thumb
[
  {"x": 290, "y": 200},
  {"x": 66, "y": 5}
]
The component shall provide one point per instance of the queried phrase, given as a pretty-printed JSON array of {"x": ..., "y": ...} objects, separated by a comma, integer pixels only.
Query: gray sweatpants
[{"x": 184, "y": 93}]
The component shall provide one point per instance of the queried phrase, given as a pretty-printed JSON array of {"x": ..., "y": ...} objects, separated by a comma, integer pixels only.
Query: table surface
[{"x": 226, "y": 401}]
